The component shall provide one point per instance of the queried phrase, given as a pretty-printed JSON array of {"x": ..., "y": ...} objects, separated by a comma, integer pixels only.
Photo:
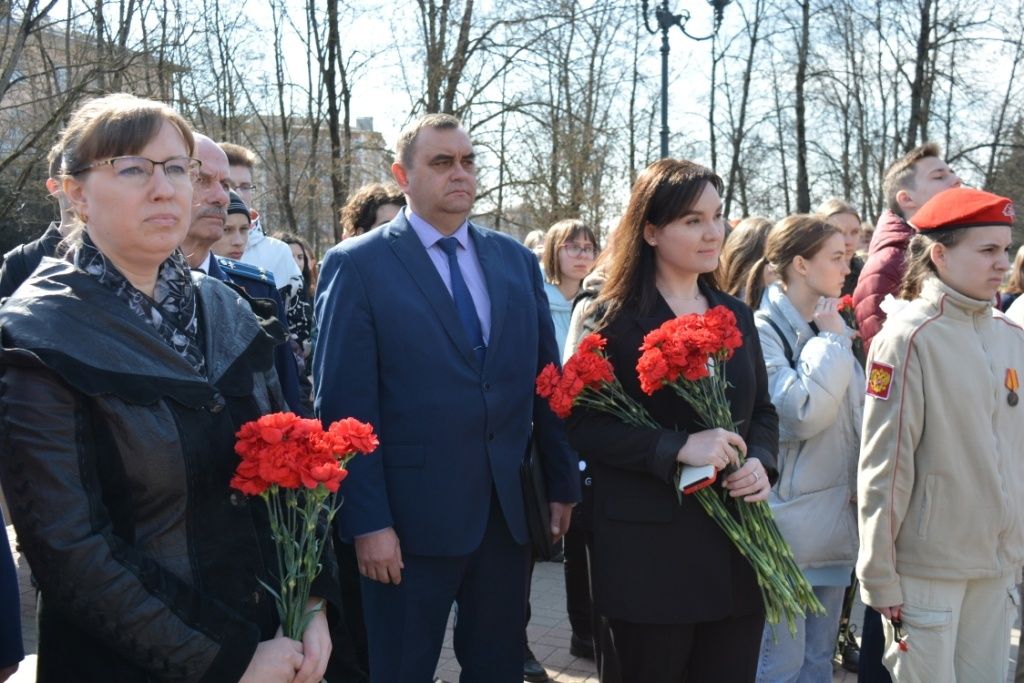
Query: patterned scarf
[{"x": 171, "y": 311}]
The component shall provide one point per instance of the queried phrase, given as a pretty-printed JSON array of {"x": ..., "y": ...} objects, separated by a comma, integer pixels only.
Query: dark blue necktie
[{"x": 463, "y": 299}]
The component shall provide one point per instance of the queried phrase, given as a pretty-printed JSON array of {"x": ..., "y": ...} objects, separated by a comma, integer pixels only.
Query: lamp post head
[{"x": 719, "y": 7}]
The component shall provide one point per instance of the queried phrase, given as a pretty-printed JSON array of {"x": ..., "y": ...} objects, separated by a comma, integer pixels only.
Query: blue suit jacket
[{"x": 393, "y": 352}]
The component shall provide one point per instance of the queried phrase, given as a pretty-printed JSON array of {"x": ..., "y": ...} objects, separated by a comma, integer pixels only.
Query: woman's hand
[
  {"x": 316, "y": 645},
  {"x": 275, "y": 661},
  {"x": 827, "y": 316},
  {"x": 716, "y": 447},
  {"x": 749, "y": 482}
]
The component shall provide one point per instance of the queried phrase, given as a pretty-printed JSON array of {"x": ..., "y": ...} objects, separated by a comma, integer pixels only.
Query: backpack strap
[{"x": 786, "y": 348}]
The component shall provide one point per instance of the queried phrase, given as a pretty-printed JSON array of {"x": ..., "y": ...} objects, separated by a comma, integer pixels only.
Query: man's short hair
[
  {"x": 900, "y": 174},
  {"x": 238, "y": 155},
  {"x": 407, "y": 138}
]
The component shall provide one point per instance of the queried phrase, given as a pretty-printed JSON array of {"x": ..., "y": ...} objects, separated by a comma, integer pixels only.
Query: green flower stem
[{"x": 293, "y": 517}]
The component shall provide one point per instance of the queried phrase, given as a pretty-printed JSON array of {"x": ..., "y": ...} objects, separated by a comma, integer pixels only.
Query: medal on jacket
[{"x": 1012, "y": 384}]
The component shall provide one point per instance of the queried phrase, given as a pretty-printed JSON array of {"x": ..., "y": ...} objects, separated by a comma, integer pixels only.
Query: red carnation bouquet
[
  {"x": 688, "y": 354},
  {"x": 846, "y": 309},
  {"x": 296, "y": 467},
  {"x": 588, "y": 379}
]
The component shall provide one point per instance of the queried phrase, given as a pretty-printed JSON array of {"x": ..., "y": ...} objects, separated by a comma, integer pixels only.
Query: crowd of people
[{"x": 874, "y": 399}]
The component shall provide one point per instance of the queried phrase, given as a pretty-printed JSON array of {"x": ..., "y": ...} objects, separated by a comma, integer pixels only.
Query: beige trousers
[
  {"x": 1018, "y": 676},
  {"x": 955, "y": 631}
]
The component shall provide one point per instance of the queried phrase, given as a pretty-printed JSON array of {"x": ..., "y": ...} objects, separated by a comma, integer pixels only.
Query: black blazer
[{"x": 656, "y": 561}]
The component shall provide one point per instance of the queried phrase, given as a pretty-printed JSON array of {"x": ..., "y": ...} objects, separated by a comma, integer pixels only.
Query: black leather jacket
[{"x": 115, "y": 456}]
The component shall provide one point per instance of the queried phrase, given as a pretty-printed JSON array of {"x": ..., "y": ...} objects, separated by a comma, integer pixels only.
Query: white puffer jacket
[{"x": 820, "y": 403}]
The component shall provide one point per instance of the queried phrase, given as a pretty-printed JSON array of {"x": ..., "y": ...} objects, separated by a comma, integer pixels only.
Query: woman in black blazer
[{"x": 681, "y": 602}]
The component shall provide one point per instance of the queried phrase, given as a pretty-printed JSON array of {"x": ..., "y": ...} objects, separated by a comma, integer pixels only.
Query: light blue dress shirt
[{"x": 469, "y": 262}]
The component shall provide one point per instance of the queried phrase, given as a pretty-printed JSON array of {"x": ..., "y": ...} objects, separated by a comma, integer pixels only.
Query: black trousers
[
  {"x": 578, "y": 601},
  {"x": 723, "y": 651},
  {"x": 349, "y": 661},
  {"x": 872, "y": 645}
]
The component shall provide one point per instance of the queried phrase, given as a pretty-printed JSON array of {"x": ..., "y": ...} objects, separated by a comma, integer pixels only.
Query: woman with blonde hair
[
  {"x": 118, "y": 448},
  {"x": 843, "y": 215}
]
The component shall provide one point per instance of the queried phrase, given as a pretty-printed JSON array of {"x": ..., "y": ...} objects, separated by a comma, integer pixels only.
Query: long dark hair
[{"x": 664, "y": 191}]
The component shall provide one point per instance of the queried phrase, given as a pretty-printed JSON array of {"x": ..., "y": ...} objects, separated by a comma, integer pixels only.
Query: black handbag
[{"x": 535, "y": 501}]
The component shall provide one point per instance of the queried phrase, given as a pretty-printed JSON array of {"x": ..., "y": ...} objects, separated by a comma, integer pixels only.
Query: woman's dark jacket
[
  {"x": 656, "y": 561},
  {"x": 115, "y": 456},
  {"x": 11, "y": 650}
]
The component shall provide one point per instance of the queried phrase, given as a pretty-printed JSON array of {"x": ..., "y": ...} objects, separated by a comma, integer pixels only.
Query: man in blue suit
[{"x": 433, "y": 330}]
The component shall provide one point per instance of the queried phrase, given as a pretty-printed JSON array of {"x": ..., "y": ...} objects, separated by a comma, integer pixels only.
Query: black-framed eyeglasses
[
  {"x": 576, "y": 250},
  {"x": 138, "y": 170}
]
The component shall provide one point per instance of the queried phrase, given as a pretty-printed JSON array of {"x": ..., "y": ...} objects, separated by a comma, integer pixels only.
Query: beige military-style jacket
[{"x": 941, "y": 473}]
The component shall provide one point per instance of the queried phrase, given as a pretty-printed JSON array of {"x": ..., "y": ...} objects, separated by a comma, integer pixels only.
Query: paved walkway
[{"x": 548, "y": 631}]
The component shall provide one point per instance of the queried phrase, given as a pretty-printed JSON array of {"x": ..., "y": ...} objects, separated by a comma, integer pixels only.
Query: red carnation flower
[{"x": 547, "y": 381}]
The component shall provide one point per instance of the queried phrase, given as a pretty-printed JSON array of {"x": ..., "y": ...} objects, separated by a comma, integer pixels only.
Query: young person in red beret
[{"x": 940, "y": 486}]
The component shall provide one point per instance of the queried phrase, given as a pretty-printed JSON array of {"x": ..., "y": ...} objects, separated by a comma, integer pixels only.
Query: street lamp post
[{"x": 666, "y": 20}]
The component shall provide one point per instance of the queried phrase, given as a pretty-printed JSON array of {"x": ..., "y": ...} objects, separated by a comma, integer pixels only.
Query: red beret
[{"x": 962, "y": 207}]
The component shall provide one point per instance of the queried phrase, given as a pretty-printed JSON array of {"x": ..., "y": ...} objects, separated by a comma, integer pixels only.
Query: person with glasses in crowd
[
  {"x": 125, "y": 376},
  {"x": 261, "y": 250},
  {"x": 570, "y": 247}
]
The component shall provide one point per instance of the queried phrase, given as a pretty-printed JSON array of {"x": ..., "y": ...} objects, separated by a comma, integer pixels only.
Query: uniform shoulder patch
[{"x": 879, "y": 379}]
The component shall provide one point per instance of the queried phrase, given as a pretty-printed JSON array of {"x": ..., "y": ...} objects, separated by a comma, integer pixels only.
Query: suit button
[
  {"x": 490, "y": 437},
  {"x": 216, "y": 404},
  {"x": 487, "y": 386},
  {"x": 255, "y": 597},
  {"x": 236, "y": 499}
]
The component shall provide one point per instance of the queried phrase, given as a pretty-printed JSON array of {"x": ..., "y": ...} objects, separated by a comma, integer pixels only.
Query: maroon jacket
[{"x": 882, "y": 273}]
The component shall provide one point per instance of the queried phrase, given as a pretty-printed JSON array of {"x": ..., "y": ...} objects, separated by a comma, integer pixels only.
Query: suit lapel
[
  {"x": 492, "y": 262},
  {"x": 407, "y": 247}
]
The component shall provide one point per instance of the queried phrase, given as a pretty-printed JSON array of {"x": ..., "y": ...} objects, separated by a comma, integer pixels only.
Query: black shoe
[
  {"x": 581, "y": 647},
  {"x": 533, "y": 671},
  {"x": 850, "y": 657}
]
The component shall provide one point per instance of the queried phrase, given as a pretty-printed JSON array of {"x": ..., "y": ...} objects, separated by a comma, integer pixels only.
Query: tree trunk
[
  {"x": 803, "y": 192},
  {"x": 918, "y": 114}
]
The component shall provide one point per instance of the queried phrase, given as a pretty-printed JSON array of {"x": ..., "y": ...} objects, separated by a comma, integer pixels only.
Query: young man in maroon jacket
[{"x": 909, "y": 182}]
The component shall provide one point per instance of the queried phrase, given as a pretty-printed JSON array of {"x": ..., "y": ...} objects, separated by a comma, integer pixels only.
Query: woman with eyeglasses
[
  {"x": 124, "y": 376},
  {"x": 570, "y": 247}
]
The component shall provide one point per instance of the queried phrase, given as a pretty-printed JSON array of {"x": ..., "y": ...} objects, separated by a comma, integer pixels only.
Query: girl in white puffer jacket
[{"x": 817, "y": 387}]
